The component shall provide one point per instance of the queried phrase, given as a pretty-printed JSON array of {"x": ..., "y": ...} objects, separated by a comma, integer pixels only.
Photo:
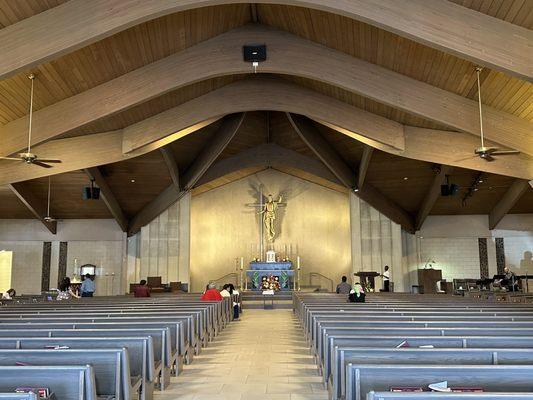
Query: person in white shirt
[
  {"x": 386, "y": 279},
  {"x": 9, "y": 294}
]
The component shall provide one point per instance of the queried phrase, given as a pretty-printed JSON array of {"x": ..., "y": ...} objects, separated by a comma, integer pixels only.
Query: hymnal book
[
  {"x": 56, "y": 347},
  {"x": 467, "y": 389},
  {"x": 403, "y": 344},
  {"x": 426, "y": 346},
  {"x": 406, "y": 389},
  {"x": 42, "y": 393}
]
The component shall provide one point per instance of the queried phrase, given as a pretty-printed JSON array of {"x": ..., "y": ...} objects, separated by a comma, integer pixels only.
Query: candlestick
[
  {"x": 298, "y": 262},
  {"x": 242, "y": 263}
]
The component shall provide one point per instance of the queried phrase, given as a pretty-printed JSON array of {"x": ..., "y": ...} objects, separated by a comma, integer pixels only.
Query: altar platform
[{"x": 258, "y": 270}]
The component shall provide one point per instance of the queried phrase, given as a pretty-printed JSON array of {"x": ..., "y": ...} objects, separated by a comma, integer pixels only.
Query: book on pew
[
  {"x": 403, "y": 344},
  {"x": 406, "y": 389},
  {"x": 56, "y": 347},
  {"x": 467, "y": 389},
  {"x": 41, "y": 392}
]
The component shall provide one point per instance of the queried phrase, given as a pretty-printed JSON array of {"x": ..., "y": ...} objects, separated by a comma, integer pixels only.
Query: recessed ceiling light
[
  {"x": 480, "y": 181},
  {"x": 405, "y": 178},
  {"x": 476, "y": 189},
  {"x": 132, "y": 181}
]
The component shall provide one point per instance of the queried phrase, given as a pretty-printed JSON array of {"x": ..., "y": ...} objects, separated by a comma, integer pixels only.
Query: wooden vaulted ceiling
[{"x": 93, "y": 65}]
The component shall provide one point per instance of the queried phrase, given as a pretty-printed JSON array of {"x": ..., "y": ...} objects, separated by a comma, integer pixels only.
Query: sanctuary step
[{"x": 253, "y": 299}]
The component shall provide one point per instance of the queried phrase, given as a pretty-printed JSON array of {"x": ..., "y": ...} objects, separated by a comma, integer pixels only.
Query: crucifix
[{"x": 268, "y": 209}]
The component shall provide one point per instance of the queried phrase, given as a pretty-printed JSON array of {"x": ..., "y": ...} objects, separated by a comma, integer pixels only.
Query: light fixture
[
  {"x": 132, "y": 181},
  {"x": 405, "y": 178},
  {"x": 355, "y": 189}
]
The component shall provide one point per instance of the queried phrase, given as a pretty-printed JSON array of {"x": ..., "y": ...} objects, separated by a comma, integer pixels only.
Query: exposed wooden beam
[
  {"x": 432, "y": 195},
  {"x": 509, "y": 199},
  {"x": 327, "y": 154},
  {"x": 435, "y": 146},
  {"x": 266, "y": 94},
  {"x": 108, "y": 197},
  {"x": 363, "y": 165},
  {"x": 269, "y": 155},
  {"x": 172, "y": 166},
  {"x": 210, "y": 153},
  {"x": 36, "y": 207},
  {"x": 253, "y": 13},
  {"x": 314, "y": 61},
  {"x": 165, "y": 199},
  {"x": 439, "y": 24},
  {"x": 323, "y": 150}
]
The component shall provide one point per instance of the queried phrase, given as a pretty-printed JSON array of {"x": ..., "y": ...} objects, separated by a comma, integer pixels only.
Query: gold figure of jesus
[{"x": 269, "y": 216}]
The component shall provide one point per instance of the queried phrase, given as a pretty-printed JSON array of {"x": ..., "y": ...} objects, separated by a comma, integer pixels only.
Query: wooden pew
[
  {"x": 448, "y": 396},
  {"x": 66, "y": 382},
  {"x": 361, "y": 379},
  {"x": 18, "y": 396},
  {"x": 457, "y": 356},
  {"x": 110, "y": 366}
]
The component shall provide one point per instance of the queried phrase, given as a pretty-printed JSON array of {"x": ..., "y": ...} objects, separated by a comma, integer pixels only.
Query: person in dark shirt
[
  {"x": 141, "y": 290},
  {"x": 343, "y": 287}
]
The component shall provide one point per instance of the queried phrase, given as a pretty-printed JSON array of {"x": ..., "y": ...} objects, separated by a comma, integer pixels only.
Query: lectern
[
  {"x": 427, "y": 280},
  {"x": 367, "y": 279}
]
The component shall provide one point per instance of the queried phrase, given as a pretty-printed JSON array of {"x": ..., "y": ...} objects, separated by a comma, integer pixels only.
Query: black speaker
[
  {"x": 444, "y": 190},
  {"x": 453, "y": 190},
  {"x": 90, "y": 193},
  {"x": 254, "y": 52}
]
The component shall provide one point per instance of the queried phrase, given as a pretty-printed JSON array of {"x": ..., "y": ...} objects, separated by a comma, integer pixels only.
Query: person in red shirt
[
  {"x": 141, "y": 290},
  {"x": 211, "y": 294}
]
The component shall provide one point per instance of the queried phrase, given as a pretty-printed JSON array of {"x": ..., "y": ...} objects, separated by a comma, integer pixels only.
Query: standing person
[
  {"x": 141, "y": 290},
  {"x": 211, "y": 294},
  {"x": 87, "y": 286},
  {"x": 343, "y": 287},
  {"x": 235, "y": 295},
  {"x": 386, "y": 279}
]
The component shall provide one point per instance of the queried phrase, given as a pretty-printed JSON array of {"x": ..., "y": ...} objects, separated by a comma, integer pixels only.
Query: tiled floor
[{"x": 261, "y": 357}]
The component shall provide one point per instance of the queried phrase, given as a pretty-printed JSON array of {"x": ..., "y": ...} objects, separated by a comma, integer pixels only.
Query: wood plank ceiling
[{"x": 138, "y": 181}]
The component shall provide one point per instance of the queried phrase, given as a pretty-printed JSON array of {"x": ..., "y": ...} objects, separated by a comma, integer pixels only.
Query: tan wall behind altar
[{"x": 316, "y": 219}]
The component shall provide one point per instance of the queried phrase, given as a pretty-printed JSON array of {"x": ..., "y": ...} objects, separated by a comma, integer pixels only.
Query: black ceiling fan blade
[
  {"x": 505, "y": 152},
  {"x": 488, "y": 158},
  {"x": 49, "y": 160},
  {"x": 41, "y": 164}
]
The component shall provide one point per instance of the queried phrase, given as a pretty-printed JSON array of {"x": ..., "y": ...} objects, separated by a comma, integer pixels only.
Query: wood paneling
[
  {"x": 405, "y": 56},
  {"x": 387, "y": 173},
  {"x": 11, "y": 207},
  {"x": 151, "y": 177},
  {"x": 66, "y": 196},
  {"x": 13, "y": 11},
  {"x": 115, "y": 56},
  {"x": 518, "y": 12}
]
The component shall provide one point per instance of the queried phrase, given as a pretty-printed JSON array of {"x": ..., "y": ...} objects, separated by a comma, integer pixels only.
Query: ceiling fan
[
  {"x": 48, "y": 218},
  {"x": 487, "y": 153},
  {"x": 28, "y": 157}
]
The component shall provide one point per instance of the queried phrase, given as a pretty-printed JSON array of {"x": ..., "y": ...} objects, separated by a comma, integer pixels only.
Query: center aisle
[{"x": 262, "y": 356}]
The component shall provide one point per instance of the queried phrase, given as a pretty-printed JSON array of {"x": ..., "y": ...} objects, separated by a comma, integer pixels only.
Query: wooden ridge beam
[
  {"x": 36, "y": 207},
  {"x": 172, "y": 165},
  {"x": 442, "y": 25},
  {"x": 432, "y": 195},
  {"x": 108, "y": 197},
  {"x": 363, "y": 165},
  {"x": 509, "y": 199},
  {"x": 327, "y": 154},
  {"x": 435, "y": 146},
  {"x": 215, "y": 147},
  {"x": 314, "y": 61}
]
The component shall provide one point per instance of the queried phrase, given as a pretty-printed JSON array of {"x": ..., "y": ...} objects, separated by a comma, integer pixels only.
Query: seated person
[
  {"x": 509, "y": 280},
  {"x": 357, "y": 294},
  {"x": 65, "y": 291},
  {"x": 343, "y": 287},
  {"x": 141, "y": 290},
  {"x": 9, "y": 294},
  {"x": 211, "y": 294},
  {"x": 225, "y": 292}
]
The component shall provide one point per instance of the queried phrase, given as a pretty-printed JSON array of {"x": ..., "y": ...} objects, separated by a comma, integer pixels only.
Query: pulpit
[
  {"x": 427, "y": 280},
  {"x": 367, "y": 280}
]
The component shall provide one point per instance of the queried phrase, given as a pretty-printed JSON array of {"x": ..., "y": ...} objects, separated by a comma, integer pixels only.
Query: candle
[
  {"x": 242, "y": 263},
  {"x": 298, "y": 262}
]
